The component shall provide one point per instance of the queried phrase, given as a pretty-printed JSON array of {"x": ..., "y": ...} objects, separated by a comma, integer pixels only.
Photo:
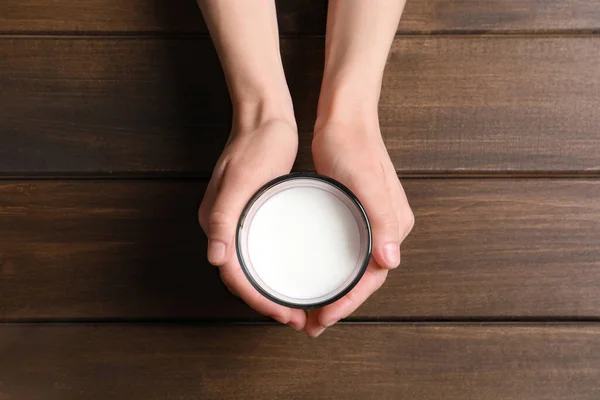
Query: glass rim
[{"x": 353, "y": 199}]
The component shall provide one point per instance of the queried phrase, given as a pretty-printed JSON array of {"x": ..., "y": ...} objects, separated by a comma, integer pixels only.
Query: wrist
[
  {"x": 255, "y": 113},
  {"x": 252, "y": 112},
  {"x": 345, "y": 105}
]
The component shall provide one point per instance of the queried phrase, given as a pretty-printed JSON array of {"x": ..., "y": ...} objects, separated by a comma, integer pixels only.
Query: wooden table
[{"x": 112, "y": 114}]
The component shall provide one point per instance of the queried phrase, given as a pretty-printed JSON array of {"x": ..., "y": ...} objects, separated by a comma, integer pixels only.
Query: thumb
[
  {"x": 384, "y": 223},
  {"x": 235, "y": 190}
]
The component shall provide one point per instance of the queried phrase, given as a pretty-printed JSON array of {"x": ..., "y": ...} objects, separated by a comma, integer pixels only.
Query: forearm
[
  {"x": 246, "y": 37},
  {"x": 359, "y": 36}
]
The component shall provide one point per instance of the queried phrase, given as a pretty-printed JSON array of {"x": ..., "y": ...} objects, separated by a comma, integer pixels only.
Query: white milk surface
[{"x": 304, "y": 243}]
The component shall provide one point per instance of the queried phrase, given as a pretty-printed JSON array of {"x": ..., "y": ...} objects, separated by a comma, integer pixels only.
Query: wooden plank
[
  {"x": 481, "y": 104},
  {"x": 141, "y": 16},
  {"x": 296, "y": 16},
  {"x": 260, "y": 362},
  {"x": 110, "y": 105},
  {"x": 449, "y": 104},
  {"x": 481, "y": 248}
]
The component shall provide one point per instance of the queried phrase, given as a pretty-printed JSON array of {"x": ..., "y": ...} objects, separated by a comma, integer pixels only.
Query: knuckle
[
  {"x": 219, "y": 220},
  {"x": 386, "y": 220}
]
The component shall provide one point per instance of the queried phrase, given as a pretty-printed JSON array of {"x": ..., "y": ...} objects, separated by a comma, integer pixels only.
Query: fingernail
[
  {"x": 392, "y": 254},
  {"x": 317, "y": 333},
  {"x": 216, "y": 251}
]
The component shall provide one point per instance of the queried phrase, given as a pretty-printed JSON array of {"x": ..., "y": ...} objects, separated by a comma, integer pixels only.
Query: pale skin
[{"x": 347, "y": 143}]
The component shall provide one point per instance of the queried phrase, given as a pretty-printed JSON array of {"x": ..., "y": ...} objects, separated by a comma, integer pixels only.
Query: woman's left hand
[{"x": 355, "y": 155}]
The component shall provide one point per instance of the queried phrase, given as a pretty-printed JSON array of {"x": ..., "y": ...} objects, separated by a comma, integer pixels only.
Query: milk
[{"x": 305, "y": 242}]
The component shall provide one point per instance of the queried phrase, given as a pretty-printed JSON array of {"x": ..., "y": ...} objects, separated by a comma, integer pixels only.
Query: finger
[
  {"x": 205, "y": 206},
  {"x": 404, "y": 214},
  {"x": 323, "y": 318},
  {"x": 374, "y": 195},
  {"x": 235, "y": 190},
  {"x": 211, "y": 193},
  {"x": 236, "y": 281}
]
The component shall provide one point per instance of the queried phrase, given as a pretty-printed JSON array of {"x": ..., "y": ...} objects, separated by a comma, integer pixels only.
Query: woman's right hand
[{"x": 253, "y": 156}]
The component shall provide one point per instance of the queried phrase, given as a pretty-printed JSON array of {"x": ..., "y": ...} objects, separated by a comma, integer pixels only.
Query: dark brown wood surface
[
  {"x": 296, "y": 16},
  {"x": 501, "y": 248},
  {"x": 258, "y": 362},
  {"x": 490, "y": 107},
  {"x": 143, "y": 16},
  {"x": 449, "y": 104}
]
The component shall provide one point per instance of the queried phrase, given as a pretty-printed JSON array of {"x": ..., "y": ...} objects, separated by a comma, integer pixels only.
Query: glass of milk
[{"x": 304, "y": 240}]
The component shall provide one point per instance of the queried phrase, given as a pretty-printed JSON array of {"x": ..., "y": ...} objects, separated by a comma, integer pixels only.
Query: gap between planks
[
  {"x": 483, "y": 321},
  {"x": 178, "y": 176},
  {"x": 577, "y": 33}
]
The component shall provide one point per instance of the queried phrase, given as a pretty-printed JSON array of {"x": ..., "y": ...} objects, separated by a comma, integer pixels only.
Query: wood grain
[
  {"x": 481, "y": 248},
  {"x": 259, "y": 362},
  {"x": 141, "y": 16},
  {"x": 484, "y": 104},
  {"x": 449, "y": 104},
  {"x": 296, "y": 16}
]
